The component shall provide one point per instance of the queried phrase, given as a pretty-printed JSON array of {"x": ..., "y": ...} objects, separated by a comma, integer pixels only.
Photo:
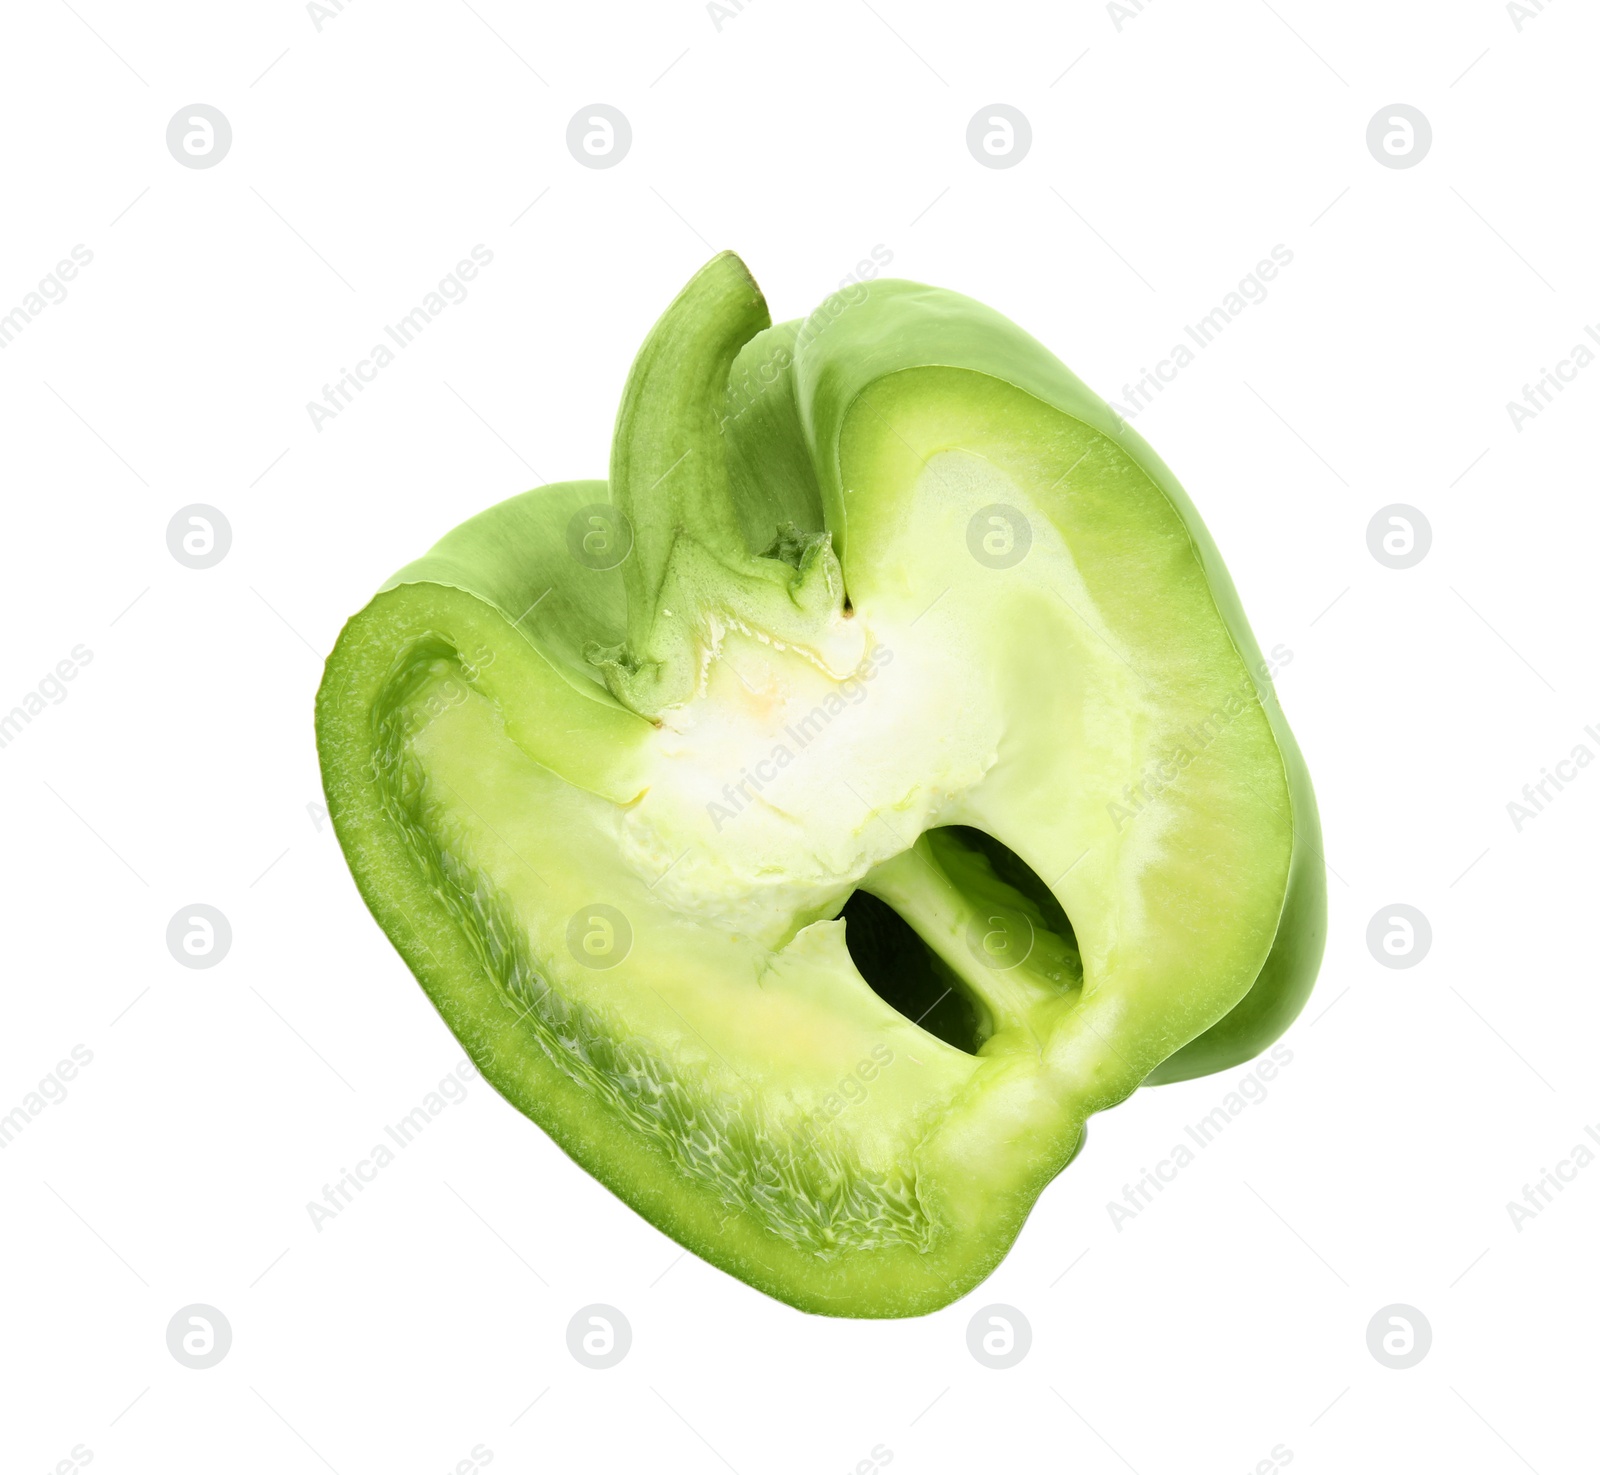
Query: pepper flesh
[{"x": 611, "y": 816}]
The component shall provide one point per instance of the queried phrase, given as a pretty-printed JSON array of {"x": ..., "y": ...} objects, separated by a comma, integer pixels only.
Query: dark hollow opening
[
  {"x": 909, "y": 976},
  {"x": 1015, "y": 871},
  {"x": 906, "y": 974}
]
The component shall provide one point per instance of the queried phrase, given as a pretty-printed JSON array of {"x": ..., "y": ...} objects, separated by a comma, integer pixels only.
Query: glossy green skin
[{"x": 781, "y": 451}]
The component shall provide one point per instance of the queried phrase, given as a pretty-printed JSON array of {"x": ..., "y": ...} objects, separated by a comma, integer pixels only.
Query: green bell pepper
[{"x": 812, "y": 827}]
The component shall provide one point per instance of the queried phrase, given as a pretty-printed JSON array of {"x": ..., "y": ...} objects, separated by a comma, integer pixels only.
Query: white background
[{"x": 1168, "y": 157}]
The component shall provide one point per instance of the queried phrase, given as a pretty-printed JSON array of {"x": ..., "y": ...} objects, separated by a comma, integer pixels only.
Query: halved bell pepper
[{"x": 813, "y": 826}]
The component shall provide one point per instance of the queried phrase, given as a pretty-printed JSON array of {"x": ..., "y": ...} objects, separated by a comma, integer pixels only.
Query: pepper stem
[{"x": 691, "y": 573}]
